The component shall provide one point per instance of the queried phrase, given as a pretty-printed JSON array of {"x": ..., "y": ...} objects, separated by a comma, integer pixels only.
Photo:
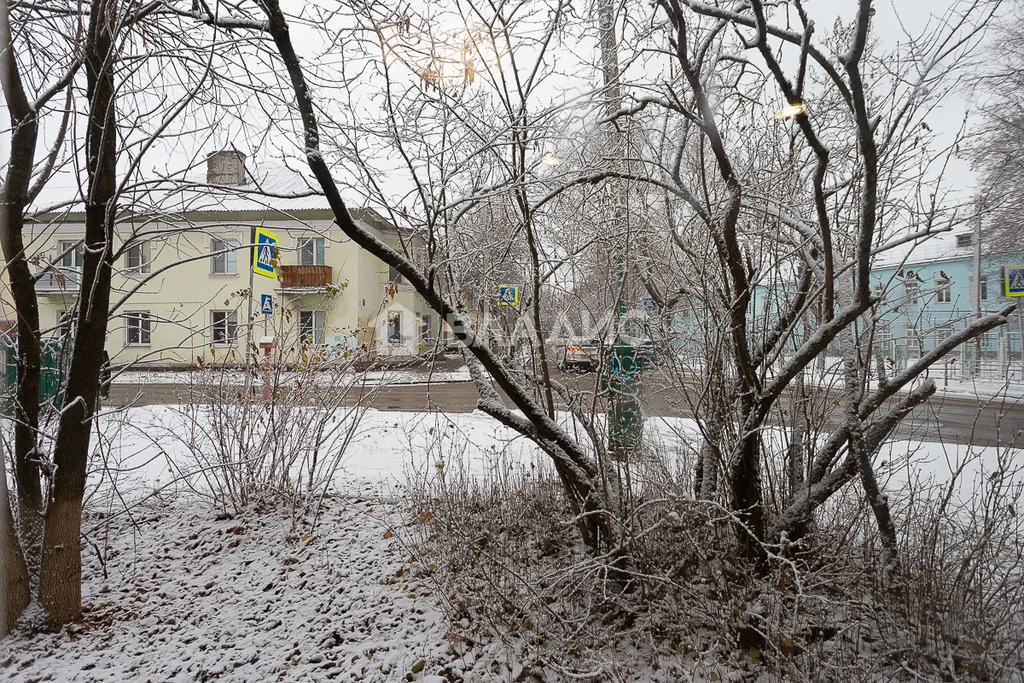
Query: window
[
  {"x": 74, "y": 256},
  {"x": 394, "y": 327},
  {"x": 913, "y": 289},
  {"x": 942, "y": 291},
  {"x": 223, "y": 259},
  {"x": 224, "y": 328},
  {"x": 137, "y": 257},
  {"x": 940, "y": 333},
  {"x": 311, "y": 251},
  {"x": 137, "y": 328},
  {"x": 395, "y": 276},
  {"x": 311, "y": 327},
  {"x": 425, "y": 328},
  {"x": 879, "y": 292},
  {"x": 983, "y": 288},
  {"x": 883, "y": 343},
  {"x": 964, "y": 240}
]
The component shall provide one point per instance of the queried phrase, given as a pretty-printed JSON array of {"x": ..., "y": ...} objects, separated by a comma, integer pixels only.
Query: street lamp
[{"x": 791, "y": 110}]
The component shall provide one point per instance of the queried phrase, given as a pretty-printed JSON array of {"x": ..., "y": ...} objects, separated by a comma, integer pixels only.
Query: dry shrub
[
  {"x": 242, "y": 449},
  {"x": 503, "y": 549}
]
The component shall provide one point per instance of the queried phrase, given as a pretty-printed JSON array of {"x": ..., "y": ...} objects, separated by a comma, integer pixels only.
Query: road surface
[{"x": 947, "y": 417}]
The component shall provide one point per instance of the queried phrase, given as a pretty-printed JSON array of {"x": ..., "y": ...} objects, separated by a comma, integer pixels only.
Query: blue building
[{"x": 928, "y": 293}]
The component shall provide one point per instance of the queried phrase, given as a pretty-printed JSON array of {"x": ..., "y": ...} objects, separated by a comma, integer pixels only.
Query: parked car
[{"x": 581, "y": 354}]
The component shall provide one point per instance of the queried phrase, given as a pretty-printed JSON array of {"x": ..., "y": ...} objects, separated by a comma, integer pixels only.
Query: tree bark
[
  {"x": 24, "y": 136},
  {"x": 795, "y": 461},
  {"x": 60, "y": 581},
  {"x": 14, "y": 589}
]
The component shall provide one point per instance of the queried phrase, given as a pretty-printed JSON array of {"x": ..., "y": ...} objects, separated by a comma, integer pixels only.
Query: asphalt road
[{"x": 947, "y": 417}]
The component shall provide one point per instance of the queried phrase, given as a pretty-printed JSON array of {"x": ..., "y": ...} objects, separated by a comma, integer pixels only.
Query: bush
[{"x": 502, "y": 550}]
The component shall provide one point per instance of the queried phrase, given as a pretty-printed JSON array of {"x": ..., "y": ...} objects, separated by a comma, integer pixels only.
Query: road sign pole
[{"x": 252, "y": 293}]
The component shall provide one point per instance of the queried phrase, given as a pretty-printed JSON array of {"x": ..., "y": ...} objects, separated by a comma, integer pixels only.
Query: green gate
[{"x": 52, "y": 373}]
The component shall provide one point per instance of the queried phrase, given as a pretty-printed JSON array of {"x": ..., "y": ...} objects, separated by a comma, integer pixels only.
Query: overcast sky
[{"x": 913, "y": 17}]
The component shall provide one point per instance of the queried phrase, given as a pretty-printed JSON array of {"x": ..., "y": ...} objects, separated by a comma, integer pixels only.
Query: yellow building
[{"x": 183, "y": 285}]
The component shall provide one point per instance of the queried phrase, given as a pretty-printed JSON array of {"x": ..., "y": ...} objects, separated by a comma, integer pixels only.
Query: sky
[{"x": 889, "y": 25}]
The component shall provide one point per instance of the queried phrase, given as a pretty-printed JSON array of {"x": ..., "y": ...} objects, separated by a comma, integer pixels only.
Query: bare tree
[
  {"x": 844, "y": 174},
  {"x": 796, "y": 216},
  {"x": 996, "y": 148},
  {"x": 98, "y": 39},
  {"x": 23, "y": 182}
]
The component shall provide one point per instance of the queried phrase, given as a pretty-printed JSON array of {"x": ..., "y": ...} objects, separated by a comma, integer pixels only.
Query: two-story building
[
  {"x": 929, "y": 291},
  {"x": 184, "y": 287}
]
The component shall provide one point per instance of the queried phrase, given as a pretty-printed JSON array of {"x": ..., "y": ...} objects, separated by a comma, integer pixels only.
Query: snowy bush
[
  {"x": 501, "y": 550},
  {"x": 272, "y": 435}
]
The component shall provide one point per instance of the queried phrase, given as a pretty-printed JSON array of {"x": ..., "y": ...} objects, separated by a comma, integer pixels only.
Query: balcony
[
  {"x": 304, "y": 279},
  {"x": 59, "y": 281}
]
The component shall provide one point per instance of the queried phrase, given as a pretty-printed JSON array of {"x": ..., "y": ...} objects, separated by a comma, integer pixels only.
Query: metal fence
[{"x": 999, "y": 360}]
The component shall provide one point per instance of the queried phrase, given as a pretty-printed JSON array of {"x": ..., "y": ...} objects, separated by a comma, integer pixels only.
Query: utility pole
[
  {"x": 614, "y": 142},
  {"x": 252, "y": 284},
  {"x": 625, "y": 416}
]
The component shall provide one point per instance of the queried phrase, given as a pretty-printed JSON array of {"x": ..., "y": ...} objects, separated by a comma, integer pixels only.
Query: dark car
[{"x": 647, "y": 349}]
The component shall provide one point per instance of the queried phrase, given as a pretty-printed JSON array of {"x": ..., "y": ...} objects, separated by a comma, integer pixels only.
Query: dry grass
[{"x": 505, "y": 555}]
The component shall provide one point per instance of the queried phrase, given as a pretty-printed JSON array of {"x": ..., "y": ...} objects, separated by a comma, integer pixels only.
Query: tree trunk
[
  {"x": 879, "y": 504},
  {"x": 746, "y": 497},
  {"x": 60, "y": 580},
  {"x": 856, "y": 381},
  {"x": 795, "y": 461},
  {"x": 14, "y": 590},
  {"x": 24, "y": 135},
  {"x": 710, "y": 457}
]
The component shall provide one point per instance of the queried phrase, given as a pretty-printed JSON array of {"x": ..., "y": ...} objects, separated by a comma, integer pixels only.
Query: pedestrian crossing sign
[
  {"x": 508, "y": 295},
  {"x": 1014, "y": 280},
  {"x": 264, "y": 254}
]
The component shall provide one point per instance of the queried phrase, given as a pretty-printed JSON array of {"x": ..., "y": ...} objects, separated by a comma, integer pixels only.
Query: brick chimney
[{"x": 226, "y": 168}]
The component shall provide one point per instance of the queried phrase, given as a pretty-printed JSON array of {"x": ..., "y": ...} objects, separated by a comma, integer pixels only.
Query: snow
[
  {"x": 184, "y": 593},
  {"x": 146, "y": 450},
  {"x": 185, "y": 596},
  {"x": 393, "y": 448}
]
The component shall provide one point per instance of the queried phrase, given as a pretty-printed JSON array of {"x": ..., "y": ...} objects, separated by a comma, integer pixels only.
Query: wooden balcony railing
[{"x": 305, "y": 277}]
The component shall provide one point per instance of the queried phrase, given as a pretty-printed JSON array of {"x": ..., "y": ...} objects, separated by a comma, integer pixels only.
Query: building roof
[
  {"x": 270, "y": 187},
  {"x": 938, "y": 248},
  {"x": 931, "y": 249},
  {"x": 272, "y": 191}
]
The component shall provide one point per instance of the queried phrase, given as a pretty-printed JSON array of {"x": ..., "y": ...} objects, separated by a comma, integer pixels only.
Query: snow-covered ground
[
  {"x": 186, "y": 594},
  {"x": 145, "y": 450}
]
